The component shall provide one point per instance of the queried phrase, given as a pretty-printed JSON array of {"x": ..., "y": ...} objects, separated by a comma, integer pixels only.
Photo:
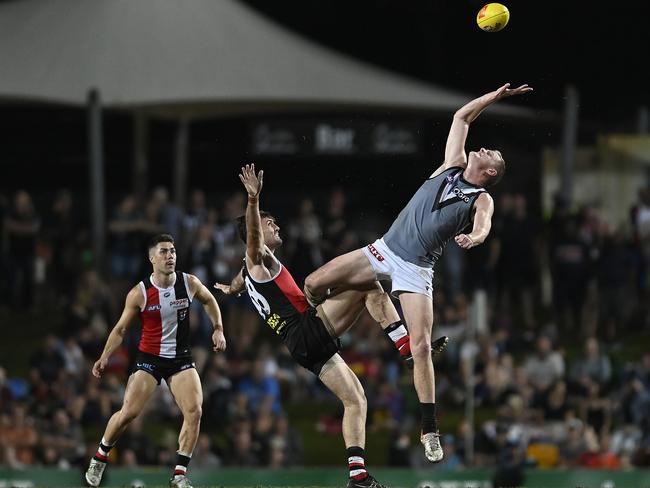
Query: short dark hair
[
  {"x": 241, "y": 223},
  {"x": 157, "y": 239}
]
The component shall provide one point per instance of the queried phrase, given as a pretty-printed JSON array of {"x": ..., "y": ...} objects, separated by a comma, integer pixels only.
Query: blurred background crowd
[
  {"x": 560, "y": 377},
  {"x": 121, "y": 120}
]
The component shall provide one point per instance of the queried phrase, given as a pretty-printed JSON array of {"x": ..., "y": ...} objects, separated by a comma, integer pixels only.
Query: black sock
[
  {"x": 357, "y": 463},
  {"x": 181, "y": 464},
  {"x": 429, "y": 423}
]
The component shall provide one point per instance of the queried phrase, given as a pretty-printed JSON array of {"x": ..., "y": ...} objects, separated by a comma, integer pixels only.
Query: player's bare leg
[
  {"x": 349, "y": 271},
  {"x": 342, "y": 381},
  {"x": 139, "y": 389},
  {"x": 186, "y": 388},
  {"x": 382, "y": 309},
  {"x": 342, "y": 310},
  {"x": 418, "y": 313}
]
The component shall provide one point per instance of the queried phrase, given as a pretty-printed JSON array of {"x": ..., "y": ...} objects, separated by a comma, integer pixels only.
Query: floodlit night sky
[{"x": 601, "y": 48}]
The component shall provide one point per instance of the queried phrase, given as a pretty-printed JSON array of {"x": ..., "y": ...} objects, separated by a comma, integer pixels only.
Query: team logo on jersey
[
  {"x": 182, "y": 314},
  {"x": 179, "y": 303},
  {"x": 153, "y": 308},
  {"x": 375, "y": 253},
  {"x": 166, "y": 295}
]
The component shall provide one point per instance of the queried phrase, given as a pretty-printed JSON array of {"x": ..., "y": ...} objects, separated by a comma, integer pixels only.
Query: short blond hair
[{"x": 500, "y": 166}]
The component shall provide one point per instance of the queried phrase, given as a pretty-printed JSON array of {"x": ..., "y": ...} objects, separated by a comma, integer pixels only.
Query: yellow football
[{"x": 493, "y": 17}]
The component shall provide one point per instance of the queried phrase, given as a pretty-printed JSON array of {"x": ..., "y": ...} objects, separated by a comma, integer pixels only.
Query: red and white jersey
[{"x": 165, "y": 318}]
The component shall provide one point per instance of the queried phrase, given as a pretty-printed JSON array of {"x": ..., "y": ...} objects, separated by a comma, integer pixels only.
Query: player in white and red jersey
[{"x": 162, "y": 301}]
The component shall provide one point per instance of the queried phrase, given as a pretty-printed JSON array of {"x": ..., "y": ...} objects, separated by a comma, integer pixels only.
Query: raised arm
[
  {"x": 235, "y": 287},
  {"x": 455, "y": 148},
  {"x": 254, "y": 236},
  {"x": 132, "y": 306},
  {"x": 211, "y": 307},
  {"x": 484, "y": 208}
]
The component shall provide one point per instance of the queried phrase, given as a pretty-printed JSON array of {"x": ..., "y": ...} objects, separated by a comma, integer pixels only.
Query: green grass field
[{"x": 325, "y": 477}]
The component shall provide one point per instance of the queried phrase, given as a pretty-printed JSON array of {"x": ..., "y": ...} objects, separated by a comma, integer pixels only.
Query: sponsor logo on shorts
[
  {"x": 187, "y": 366},
  {"x": 375, "y": 253},
  {"x": 153, "y": 308},
  {"x": 180, "y": 303},
  {"x": 147, "y": 366}
]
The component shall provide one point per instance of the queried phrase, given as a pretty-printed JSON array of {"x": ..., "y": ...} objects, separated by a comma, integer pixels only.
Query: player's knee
[
  {"x": 360, "y": 397},
  {"x": 362, "y": 400},
  {"x": 311, "y": 281},
  {"x": 355, "y": 398},
  {"x": 193, "y": 413},
  {"x": 420, "y": 349},
  {"x": 128, "y": 414}
]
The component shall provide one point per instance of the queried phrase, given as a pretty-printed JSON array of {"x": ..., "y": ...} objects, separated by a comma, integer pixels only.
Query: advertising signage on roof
[{"x": 337, "y": 137}]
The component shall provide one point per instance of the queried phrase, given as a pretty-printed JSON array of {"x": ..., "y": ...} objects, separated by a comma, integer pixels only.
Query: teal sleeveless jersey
[{"x": 439, "y": 210}]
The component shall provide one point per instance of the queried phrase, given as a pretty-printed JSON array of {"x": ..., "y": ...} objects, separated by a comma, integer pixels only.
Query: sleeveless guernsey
[
  {"x": 165, "y": 318},
  {"x": 439, "y": 210}
]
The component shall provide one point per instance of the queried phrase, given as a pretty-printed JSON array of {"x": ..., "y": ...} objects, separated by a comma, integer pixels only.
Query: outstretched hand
[
  {"x": 223, "y": 288},
  {"x": 506, "y": 91},
  {"x": 252, "y": 182}
]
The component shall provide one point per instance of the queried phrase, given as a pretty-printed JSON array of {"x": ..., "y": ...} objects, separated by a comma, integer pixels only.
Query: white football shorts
[{"x": 404, "y": 276}]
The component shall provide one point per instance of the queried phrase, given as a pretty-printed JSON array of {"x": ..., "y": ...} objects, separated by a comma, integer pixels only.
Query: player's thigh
[
  {"x": 347, "y": 271},
  {"x": 186, "y": 389},
  {"x": 341, "y": 380},
  {"x": 418, "y": 314},
  {"x": 343, "y": 310},
  {"x": 139, "y": 388}
]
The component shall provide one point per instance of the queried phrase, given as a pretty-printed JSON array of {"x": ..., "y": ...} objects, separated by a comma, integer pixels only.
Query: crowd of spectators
[{"x": 551, "y": 284}]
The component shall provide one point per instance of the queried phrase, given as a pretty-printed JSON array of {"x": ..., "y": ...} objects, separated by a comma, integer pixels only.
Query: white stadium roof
[{"x": 190, "y": 57}]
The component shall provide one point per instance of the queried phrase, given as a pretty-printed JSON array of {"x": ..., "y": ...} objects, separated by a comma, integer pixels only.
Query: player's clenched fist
[{"x": 464, "y": 241}]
